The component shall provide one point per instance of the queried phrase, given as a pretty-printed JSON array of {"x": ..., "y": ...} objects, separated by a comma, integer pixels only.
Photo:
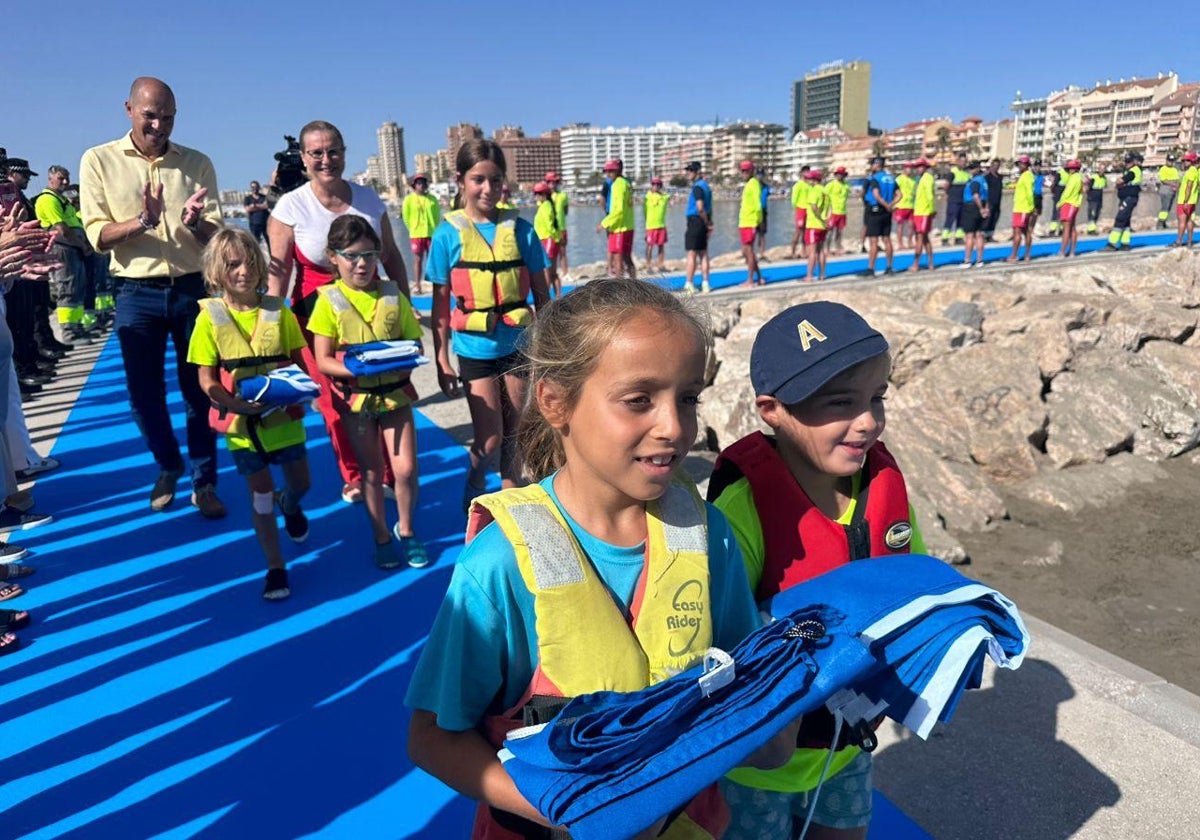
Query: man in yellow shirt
[
  {"x": 749, "y": 218},
  {"x": 562, "y": 206},
  {"x": 816, "y": 224},
  {"x": 152, "y": 204},
  {"x": 902, "y": 210},
  {"x": 70, "y": 247},
  {"x": 839, "y": 192},
  {"x": 655, "y": 209},
  {"x": 1188, "y": 197},
  {"x": 1068, "y": 207},
  {"x": 1024, "y": 210},
  {"x": 924, "y": 206},
  {"x": 421, "y": 215},
  {"x": 618, "y": 222},
  {"x": 800, "y": 206}
]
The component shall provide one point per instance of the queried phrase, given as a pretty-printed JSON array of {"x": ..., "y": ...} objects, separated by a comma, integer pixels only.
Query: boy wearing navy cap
[{"x": 820, "y": 492}]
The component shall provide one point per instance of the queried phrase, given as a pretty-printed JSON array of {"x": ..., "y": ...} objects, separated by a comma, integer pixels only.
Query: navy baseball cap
[{"x": 805, "y": 346}]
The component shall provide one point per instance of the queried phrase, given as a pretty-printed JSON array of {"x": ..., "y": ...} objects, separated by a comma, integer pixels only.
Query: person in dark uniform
[
  {"x": 1096, "y": 183},
  {"x": 257, "y": 212},
  {"x": 1129, "y": 190},
  {"x": 995, "y": 185}
]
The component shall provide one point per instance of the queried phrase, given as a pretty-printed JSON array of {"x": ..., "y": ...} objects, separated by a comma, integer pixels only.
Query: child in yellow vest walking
[
  {"x": 816, "y": 224},
  {"x": 259, "y": 333},
  {"x": 583, "y": 595},
  {"x": 655, "y": 207},
  {"x": 359, "y": 308}
]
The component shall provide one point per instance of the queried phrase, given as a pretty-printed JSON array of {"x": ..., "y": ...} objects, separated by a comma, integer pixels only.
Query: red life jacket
[{"x": 800, "y": 541}]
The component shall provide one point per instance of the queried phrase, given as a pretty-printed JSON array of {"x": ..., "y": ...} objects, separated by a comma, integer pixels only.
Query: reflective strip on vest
[
  {"x": 584, "y": 641},
  {"x": 489, "y": 282}
]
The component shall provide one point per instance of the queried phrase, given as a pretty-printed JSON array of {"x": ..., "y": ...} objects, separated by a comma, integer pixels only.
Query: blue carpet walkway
[{"x": 158, "y": 696}]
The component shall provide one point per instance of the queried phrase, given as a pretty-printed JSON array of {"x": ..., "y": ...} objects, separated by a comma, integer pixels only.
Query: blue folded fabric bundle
[
  {"x": 383, "y": 357},
  {"x": 281, "y": 387},
  {"x": 910, "y": 631}
]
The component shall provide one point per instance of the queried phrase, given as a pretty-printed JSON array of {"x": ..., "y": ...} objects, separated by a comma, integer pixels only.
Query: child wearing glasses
[{"x": 358, "y": 308}]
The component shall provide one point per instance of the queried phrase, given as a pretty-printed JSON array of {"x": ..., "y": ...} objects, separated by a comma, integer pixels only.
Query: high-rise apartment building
[
  {"x": 812, "y": 148},
  {"x": 834, "y": 94},
  {"x": 758, "y": 142},
  {"x": 586, "y": 147},
  {"x": 1116, "y": 117},
  {"x": 528, "y": 159},
  {"x": 1174, "y": 124},
  {"x": 1029, "y": 125},
  {"x": 391, "y": 155},
  {"x": 456, "y": 135}
]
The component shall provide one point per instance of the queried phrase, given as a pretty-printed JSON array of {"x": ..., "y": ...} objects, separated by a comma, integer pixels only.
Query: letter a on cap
[{"x": 809, "y": 334}]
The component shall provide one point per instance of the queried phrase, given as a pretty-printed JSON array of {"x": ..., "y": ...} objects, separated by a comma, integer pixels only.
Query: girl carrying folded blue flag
[{"x": 356, "y": 309}]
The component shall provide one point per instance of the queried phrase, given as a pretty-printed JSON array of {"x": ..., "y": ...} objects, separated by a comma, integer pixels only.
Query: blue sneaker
[{"x": 411, "y": 549}]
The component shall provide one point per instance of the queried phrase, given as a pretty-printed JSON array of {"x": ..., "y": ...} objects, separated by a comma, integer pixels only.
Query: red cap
[
  {"x": 841, "y": 170},
  {"x": 1190, "y": 157},
  {"x": 551, "y": 177},
  {"x": 656, "y": 181},
  {"x": 541, "y": 187},
  {"x": 1073, "y": 164},
  {"x": 1024, "y": 159},
  {"x": 612, "y": 166},
  {"x": 420, "y": 176},
  {"x": 920, "y": 162},
  {"x": 746, "y": 166},
  {"x": 814, "y": 174}
]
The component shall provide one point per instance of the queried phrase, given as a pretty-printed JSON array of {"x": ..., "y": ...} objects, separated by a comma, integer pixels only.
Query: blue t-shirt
[
  {"x": 705, "y": 196},
  {"x": 885, "y": 183},
  {"x": 482, "y": 649},
  {"x": 446, "y": 249},
  {"x": 977, "y": 185},
  {"x": 766, "y": 192},
  {"x": 1038, "y": 181}
]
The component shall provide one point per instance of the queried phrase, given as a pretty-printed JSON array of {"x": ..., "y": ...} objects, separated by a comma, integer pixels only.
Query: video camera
[{"x": 289, "y": 173}]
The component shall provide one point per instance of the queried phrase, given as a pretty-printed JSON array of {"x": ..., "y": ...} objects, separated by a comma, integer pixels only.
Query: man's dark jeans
[{"x": 146, "y": 315}]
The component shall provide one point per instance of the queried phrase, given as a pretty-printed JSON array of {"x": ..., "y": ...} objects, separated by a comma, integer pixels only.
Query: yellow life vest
[
  {"x": 352, "y": 330},
  {"x": 242, "y": 358},
  {"x": 585, "y": 643},
  {"x": 489, "y": 282}
]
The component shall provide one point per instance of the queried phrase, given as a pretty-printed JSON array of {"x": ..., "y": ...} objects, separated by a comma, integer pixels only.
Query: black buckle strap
[{"x": 231, "y": 365}]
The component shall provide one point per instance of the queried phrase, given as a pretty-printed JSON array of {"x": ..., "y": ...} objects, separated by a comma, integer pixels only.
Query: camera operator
[{"x": 289, "y": 173}]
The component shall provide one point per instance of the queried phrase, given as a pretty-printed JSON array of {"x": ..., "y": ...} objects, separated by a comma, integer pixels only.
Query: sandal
[
  {"x": 14, "y": 619},
  {"x": 10, "y": 590},
  {"x": 8, "y": 643},
  {"x": 412, "y": 550}
]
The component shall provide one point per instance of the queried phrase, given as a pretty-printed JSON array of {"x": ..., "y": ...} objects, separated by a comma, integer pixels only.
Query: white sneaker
[
  {"x": 704, "y": 289},
  {"x": 689, "y": 289},
  {"x": 965, "y": 265}
]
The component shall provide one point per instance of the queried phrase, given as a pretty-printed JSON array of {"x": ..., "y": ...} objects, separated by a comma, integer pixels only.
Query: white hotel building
[{"x": 586, "y": 147}]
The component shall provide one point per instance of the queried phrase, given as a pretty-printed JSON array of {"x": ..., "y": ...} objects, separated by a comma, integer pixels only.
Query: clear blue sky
[{"x": 245, "y": 73}]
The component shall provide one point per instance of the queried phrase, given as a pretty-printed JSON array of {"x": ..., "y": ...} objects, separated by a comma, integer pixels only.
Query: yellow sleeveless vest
[
  {"x": 352, "y": 330},
  {"x": 242, "y": 358}
]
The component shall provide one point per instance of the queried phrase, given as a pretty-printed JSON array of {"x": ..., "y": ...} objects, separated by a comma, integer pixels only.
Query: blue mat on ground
[
  {"x": 856, "y": 264},
  {"x": 158, "y": 696}
]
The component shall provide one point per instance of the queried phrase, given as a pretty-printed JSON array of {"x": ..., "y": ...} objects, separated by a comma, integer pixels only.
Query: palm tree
[
  {"x": 942, "y": 144},
  {"x": 879, "y": 147}
]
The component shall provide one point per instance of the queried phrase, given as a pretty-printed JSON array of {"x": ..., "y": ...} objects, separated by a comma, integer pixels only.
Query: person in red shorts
[
  {"x": 800, "y": 205},
  {"x": 421, "y": 215},
  {"x": 562, "y": 205},
  {"x": 1185, "y": 205},
  {"x": 655, "y": 213},
  {"x": 618, "y": 223},
  {"x": 902, "y": 210},
  {"x": 1068, "y": 207},
  {"x": 816, "y": 223},
  {"x": 839, "y": 192},
  {"x": 1024, "y": 210},
  {"x": 924, "y": 207},
  {"x": 749, "y": 218}
]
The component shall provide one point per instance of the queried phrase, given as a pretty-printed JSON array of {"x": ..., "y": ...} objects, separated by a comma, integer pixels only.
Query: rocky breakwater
[{"x": 1063, "y": 385}]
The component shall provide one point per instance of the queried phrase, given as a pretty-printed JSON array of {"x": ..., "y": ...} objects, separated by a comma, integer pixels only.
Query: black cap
[
  {"x": 975, "y": 164},
  {"x": 805, "y": 346},
  {"x": 694, "y": 166},
  {"x": 878, "y": 159},
  {"x": 20, "y": 166}
]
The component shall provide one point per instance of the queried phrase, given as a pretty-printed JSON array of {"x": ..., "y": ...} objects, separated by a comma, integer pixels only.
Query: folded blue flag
[
  {"x": 382, "y": 357},
  {"x": 281, "y": 387},
  {"x": 910, "y": 631}
]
